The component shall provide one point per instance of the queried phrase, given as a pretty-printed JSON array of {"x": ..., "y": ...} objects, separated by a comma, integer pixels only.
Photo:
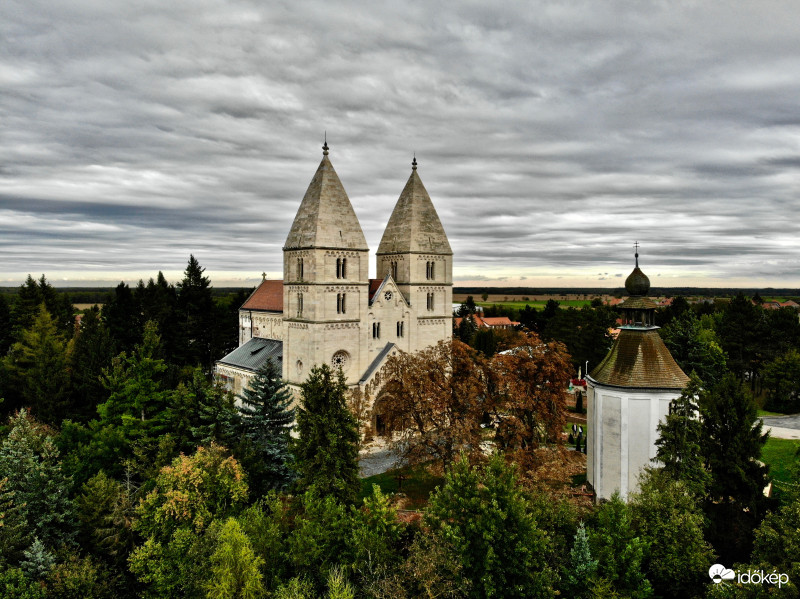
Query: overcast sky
[{"x": 550, "y": 135}]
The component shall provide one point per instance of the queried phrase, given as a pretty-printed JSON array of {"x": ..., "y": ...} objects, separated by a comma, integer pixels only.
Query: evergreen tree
[
  {"x": 38, "y": 561},
  {"x": 326, "y": 452},
  {"x": 485, "y": 520},
  {"x": 684, "y": 338},
  {"x": 30, "y": 461},
  {"x": 731, "y": 444},
  {"x": 780, "y": 380},
  {"x": 581, "y": 566},
  {"x": 31, "y": 295},
  {"x": 234, "y": 567},
  {"x": 268, "y": 417},
  {"x": 122, "y": 316},
  {"x": 196, "y": 317},
  {"x": 669, "y": 520},
  {"x": 620, "y": 553},
  {"x": 137, "y": 400},
  {"x": 466, "y": 329},
  {"x": 89, "y": 352},
  {"x": 37, "y": 368},
  {"x": 5, "y": 326},
  {"x": 158, "y": 302},
  {"x": 678, "y": 444}
]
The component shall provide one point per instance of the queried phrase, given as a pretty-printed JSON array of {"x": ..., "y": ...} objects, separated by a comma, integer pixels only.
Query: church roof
[
  {"x": 639, "y": 359},
  {"x": 414, "y": 225},
  {"x": 326, "y": 218},
  {"x": 267, "y": 297},
  {"x": 253, "y": 354}
]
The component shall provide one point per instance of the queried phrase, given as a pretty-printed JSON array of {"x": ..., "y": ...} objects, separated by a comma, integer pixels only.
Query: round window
[
  {"x": 388, "y": 295},
  {"x": 340, "y": 360}
]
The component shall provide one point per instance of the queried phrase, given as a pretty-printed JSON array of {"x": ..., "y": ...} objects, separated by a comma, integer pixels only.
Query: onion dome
[{"x": 637, "y": 282}]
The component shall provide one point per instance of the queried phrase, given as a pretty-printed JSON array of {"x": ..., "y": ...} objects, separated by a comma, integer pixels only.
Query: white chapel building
[{"x": 327, "y": 310}]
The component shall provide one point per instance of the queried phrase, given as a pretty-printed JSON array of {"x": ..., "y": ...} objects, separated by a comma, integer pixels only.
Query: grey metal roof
[
  {"x": 377, "y": 362},
  {"x": 253, "y": 354}
]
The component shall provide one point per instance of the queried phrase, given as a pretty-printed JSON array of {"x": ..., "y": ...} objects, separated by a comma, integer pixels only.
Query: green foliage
[
  {"x": 338, "y": 587},
  {"x": 36, "y": 366},
  {"x": 326, "y": 452},
  {"x": 295, "y": 588},
  {"x": 76, "y": 577},
  {"x": 686, "y": 342},
  {"x": 670, "y": 522},
  {"x": 15, "y": 585},
  {"x": 678, "y": 443},
  {"x": 31, "y": 295},
  {"x": 731, "y": 444},
  {"x": 191, "y": 492},
  {"x": 780, "y": 380},
  {"x": 137, "y": 400},
  {"x": 267, "y": 423},
  {"x": 174, "y": 568},
  {"x": 466, "y": 329},
  {"x": 105, "y": 509},
  {"x": 580, "y": 567},
  {"x": 742, "y": 332},
  {"x": 485, "y": 520},
  {"x": 13, "y": 526},
  {"x": 30, "y": 462},
  {"x": 88, "y": 354},
  {"x": 123, "y": 319},
  {"x": 234, "y": 567},
  {"x": 585, "y": 332},
  {"x": 620, "y": 553},
  {"x": 267, "y": 524},
  {"x": 196, "y": 313}
]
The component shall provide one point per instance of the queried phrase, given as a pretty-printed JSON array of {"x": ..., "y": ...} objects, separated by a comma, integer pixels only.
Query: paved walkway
[
  {"x": 376, "y": 458},
  {"x": 783, "y": 427}
]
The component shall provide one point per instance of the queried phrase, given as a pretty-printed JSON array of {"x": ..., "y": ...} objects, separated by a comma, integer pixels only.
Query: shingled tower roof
[
  {"x": 414, "y": 226},
  {"x": 326, "y": 218},
  {"x": 639, "y": 358}
]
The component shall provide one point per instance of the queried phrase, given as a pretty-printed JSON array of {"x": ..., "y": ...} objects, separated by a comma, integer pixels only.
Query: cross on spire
[
  {"x": 325, "y": 144},
  {"x": 636, "y": 249},
  {"x": 263, "y": 276}
]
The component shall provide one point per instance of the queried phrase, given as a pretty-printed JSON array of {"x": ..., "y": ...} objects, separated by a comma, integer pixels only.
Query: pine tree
[
  {"x": 326, "y": 452},
  {"x": 268, "y": 418},
  {"x": 234, "y": 566},
  {"x": 38, "y": 561},
  {"x": 581, "y": 566},
  {"x": 37, "y": 367},
  {"x": 88, "y": 353},
  {"x": 196, "y": 317},
  {"x": 731, "y": 444},
  {"x": 678, "y": 444}
]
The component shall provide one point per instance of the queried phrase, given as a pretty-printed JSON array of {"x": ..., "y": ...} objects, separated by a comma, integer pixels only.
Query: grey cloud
[{"x": 550, "y": 136}]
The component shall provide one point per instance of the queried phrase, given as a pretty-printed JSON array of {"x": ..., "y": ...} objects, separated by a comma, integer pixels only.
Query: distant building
[
  {"x": 490, "y": 322},
  {"x": 327, "y": 310},
  {"x": 628, "y": 395}
]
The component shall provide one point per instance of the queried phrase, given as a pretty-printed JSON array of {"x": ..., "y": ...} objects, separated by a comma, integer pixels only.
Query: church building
[
  {"x": 327, "y": 310},
  {"x": 628, "y": 395}
]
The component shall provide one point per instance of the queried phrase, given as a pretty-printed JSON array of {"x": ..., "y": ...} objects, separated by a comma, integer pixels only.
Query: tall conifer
[{"x": 326, "y": 453}]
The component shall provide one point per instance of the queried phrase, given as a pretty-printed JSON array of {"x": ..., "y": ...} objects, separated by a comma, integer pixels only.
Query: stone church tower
[
  {"x": 325, "y": 280},
  {"x": 628, "y": 395},
  {"x": 327, "y": 310},
  {"x": 415, "y": 252}
]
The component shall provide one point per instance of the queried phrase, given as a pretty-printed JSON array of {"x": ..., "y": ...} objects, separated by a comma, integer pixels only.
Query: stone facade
[{"x": 328, "y": 311}]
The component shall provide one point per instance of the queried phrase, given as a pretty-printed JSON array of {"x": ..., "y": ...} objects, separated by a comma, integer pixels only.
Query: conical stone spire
[
  {"x": 414, "y": 226},
  {"x": 326, "y": 218}
]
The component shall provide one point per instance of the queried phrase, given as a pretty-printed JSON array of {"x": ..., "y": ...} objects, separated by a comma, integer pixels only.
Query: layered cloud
[{"x": 549, "y": 135}]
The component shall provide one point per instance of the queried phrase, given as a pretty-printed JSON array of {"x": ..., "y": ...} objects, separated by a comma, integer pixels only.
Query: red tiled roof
[
  {"x": 373, "y": 287},
  {"x": 268, "y": 297},
  {"x": 489, "y": 322}
]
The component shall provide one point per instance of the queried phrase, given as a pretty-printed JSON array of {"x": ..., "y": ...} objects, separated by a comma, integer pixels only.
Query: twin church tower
[{"x": 327, "y": 310}]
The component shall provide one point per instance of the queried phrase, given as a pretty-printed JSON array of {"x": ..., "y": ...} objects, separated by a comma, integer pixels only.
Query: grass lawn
[
  {"x": 764, "y": 413},
  {"x": 519, "y": 305},
  {"x": 417, "y": 484},
  {"x": 780, "y": 455}
]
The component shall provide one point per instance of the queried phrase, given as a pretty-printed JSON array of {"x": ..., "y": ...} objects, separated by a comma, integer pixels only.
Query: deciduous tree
[{"x": 435, "y": 400}]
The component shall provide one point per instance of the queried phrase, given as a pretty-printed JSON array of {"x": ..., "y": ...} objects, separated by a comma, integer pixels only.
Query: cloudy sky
[{"x": 550, "y": 135}]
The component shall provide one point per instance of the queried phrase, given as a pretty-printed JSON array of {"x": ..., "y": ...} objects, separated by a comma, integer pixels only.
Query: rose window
[{"x": 340, "y": 359}]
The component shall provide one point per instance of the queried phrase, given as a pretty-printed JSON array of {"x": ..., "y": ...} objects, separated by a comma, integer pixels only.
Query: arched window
[
  {"x": 394, "y": 270},
  {"x": 341, "y": 268},
  {"x": 300, "y": 269},
  {"x": 400, "y": 328},
  {"x": 376, "y": 330},
  {"x": 430, "y": 301},
  {"x": 344, "y": 268},
  {"x": 299, "y": 305},
  {"x": 341, "y": 307}
]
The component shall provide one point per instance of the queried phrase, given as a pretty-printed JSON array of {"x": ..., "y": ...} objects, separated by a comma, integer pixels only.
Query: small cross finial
[
  {"x": 263, "y": 276},
  {"x": 636, "y": 250},
  {"x": 325, "y": 144},
  {"x": 414, "y": 162}
]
